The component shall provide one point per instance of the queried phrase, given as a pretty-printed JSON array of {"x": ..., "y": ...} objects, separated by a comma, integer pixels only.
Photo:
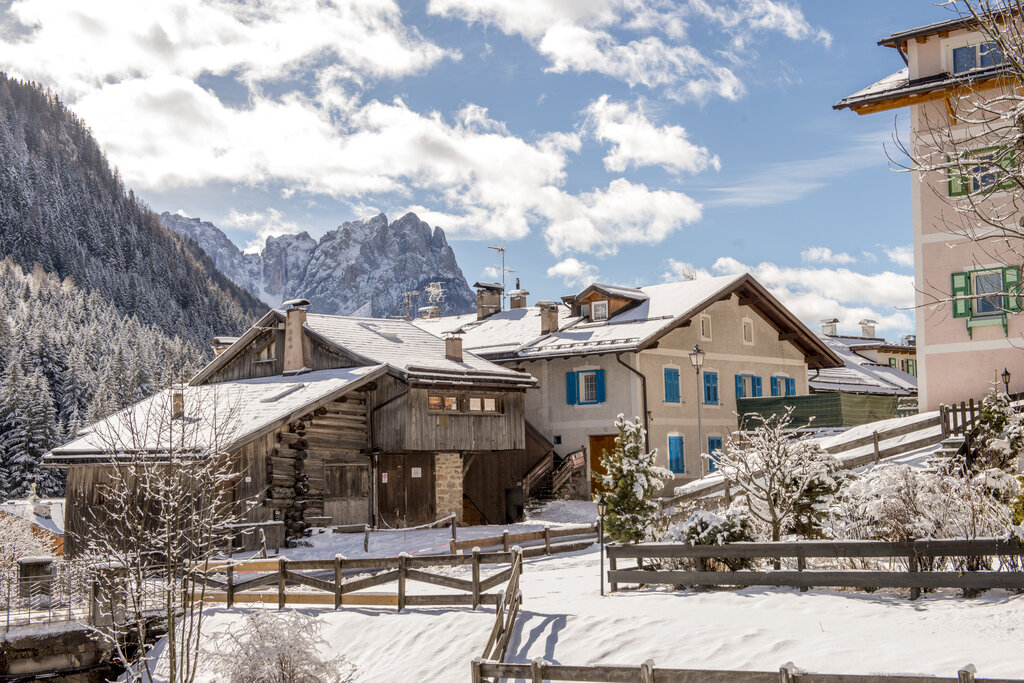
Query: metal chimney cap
[{"x": 296, "y": 303}]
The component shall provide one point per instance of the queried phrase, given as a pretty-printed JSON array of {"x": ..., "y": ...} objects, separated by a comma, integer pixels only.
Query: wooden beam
[
  {"x": 788, "y": 336},
  {"x": 749, "y": 300},
  {"x": 921, "y": 40},
  {"x": 919, "y": 98}
]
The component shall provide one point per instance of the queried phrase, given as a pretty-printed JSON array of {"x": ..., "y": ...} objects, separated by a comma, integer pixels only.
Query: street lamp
[
  {"x": 602, "y": 507},
  {"x": 1006, "y": 379},
  {"x": 697, "y": 360}
]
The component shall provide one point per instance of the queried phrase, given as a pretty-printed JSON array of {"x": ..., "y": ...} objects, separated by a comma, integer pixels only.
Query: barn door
[
  {"x": 599, "y": 444},
  {"x": 347, "y": 493},
  {"x": 406, "y": 489}
]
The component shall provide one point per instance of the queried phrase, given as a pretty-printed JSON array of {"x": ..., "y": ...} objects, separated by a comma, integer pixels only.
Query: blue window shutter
[
  {"x": 599, "y": 380},
  {"x": 572, "y": 388},
  {"x": 739, "y": 386},
  {"x": 675, "y": 454},
  {"x": 711, "y": 388},
  {"x": 775, "y": 386},
  {"x": 755, "y": 389},
  {"x": 671, "y": 385},
  {"x": 790, "y": 386},
  {"x": 714, "y": 444}
]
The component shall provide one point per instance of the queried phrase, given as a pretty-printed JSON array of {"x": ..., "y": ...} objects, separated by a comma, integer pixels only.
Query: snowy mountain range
[{"x": 363, "y": 267}]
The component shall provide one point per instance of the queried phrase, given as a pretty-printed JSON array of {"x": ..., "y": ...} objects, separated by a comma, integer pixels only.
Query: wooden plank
[
  {"x": 827, "y": 578},
  {"x": 440, "y": 600},
  {"x": 558, "y": 548},
  {"x": 311, "y": 582},
  {"x": 307, "y": 598},
  {"x": 881, "y": 549},
  {"x": 495, "y": 580},
  {"x": 368, "y": 582},
  {"x": 439, "y": 580},
  {"x": 265, "y": 580}
]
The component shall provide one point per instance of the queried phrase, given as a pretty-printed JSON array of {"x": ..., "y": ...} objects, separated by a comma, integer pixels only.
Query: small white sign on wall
[
  {"x": 383, "y": 477},
  {"x": 417, "y": 472}
]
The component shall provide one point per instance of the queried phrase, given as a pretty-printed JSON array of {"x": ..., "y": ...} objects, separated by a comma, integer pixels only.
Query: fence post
[
  {"x": 476, "y": 577},
  {"x": 281, "y": 566},
  {"x": 786, "y": 672},
  {"x": 230, "y": 599},
  {"x": 475, "y": 664},
  {"x": 912, "y": 567},
  {"x": 966, "y": 674},
  {"x": 537, "y": 670},
  {"x": 874, "y": 437},
  {"x": 944, "y": 420},
  {"x": 402, "y": 557},
  {"x": 337, "y": 581},
  {"x": 366, "y": 538},
  {"x": 504, "y": 539},
  {"x": 453, "y": 534},
  {"x": 801, "y": 564},
  {"x": 647, "y": 671},
  {"x": 547, "y": 539},
  {"x": 612, "y": 586}
]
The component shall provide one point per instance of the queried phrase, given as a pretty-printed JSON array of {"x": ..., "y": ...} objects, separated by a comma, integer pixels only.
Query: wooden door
[
  {"x": 406, "y": 489},
  {"x": 598, "y": 445},
  {"x": 347, "y": 492}
]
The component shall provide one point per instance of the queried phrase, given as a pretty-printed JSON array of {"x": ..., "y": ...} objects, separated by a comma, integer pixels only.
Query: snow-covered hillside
[{"x": 362, "y": 267}]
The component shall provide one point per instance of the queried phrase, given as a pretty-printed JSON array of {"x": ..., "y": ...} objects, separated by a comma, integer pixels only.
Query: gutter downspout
[{"x": 643, "y": 392}]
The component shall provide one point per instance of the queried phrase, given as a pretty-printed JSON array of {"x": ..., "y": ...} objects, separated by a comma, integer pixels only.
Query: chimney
[
  {"x": 296, "y": 345},
  {"x": 548, "y": 316},
  {"x": 177, "y": 402},
  {"x": 488, "y": 299},
  {"x": 829, "y": 326},
  {"x": 221, "y": 344},
  {"x": 517, "y": 297},
  {"x": 453, "y": 347},
  {"x": 867, "y": 328}
]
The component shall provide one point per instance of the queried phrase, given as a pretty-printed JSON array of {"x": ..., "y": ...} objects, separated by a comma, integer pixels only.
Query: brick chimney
[
  {"x": 296, "y": 344},
  {"x": 867, "y": 328},
  {"x": 517, "y": 297},
  {"x": 548, "y": 316},
  {"x": 829, "y": 326},
  {"x": 221, "y": 344},
  {"x": 453, "y": 347},
  {"x": 177, "y": 402},
  {"x": 488, "y": 299}
]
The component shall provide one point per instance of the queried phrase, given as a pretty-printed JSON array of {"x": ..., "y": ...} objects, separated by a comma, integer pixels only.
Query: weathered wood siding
[
  {"x": 243, "y": 365},
  {"x": 405, "y": 424},
  {"x": 489, "y": 478},
  {"x": 79, "y": 512}
]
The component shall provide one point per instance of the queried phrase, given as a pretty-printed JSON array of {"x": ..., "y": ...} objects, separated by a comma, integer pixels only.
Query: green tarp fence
[{"x": 828, "y": 410}]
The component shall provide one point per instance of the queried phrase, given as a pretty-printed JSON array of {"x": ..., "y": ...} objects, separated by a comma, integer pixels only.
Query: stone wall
[{"x": 448, "y": 484}]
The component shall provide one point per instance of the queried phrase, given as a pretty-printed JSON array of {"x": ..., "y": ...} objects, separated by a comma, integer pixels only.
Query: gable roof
[
  {"x": 514, "y": 335},
  {"x": 220, "y": 417},
  {"x": 408, "y": 352},
  {"x": 859, "y": 374}
]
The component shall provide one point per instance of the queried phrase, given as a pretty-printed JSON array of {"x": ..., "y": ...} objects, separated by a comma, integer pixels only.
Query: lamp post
[
  {"x": 602, "y": 507},
  {"x": 697, "y": 360},
  {"x": 1006, "y": 380}
]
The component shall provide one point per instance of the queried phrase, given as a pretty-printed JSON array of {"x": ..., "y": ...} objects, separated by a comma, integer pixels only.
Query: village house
[
  {"x": 966, "y": 291},
  {"x": 46, "y": 515},
  {"x": 331, "y": 420},
  {"x": 609, "y": 350},
  {"x": 872, "y": 365}
]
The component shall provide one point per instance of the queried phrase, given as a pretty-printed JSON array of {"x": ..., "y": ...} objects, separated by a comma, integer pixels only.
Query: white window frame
[
  {"x": 743, "y": 331},
  {"x": 600, "y": 305},
  {"x": 701, "y": 319}
]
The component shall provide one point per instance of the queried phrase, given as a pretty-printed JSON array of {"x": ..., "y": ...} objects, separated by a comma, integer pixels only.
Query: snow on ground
[{"x": 565, "y": 620}]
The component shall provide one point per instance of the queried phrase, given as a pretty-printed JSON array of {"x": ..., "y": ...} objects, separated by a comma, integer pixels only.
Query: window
[
  {"x": 756, "y": 390},
  {"x": 267, "y": 352},
  {"x": 585, "y": 310},
  {"x": 443, "y": 403},
  {"x": 892, "y": 362},
  {"x": 741, "y": 381},
  {"x": 912, "y": 367},
  {"x": 675, "y": 455},
  {"x": 584, "y": 387},
  {"x": 979, "y": 56},
  {"x": 783, "y": 386},
  {"x": 476, "y": 404},
  {"x": 599, "y": 310},
  {"x": 672, "y": 385},
  {"x": 705, "y": 327},
  {"x": 748, "y": 331},
  {"x": 490, "y": 405},
  {"x": 980, "y": 170},
  {"x": 980, "y": 293},
  {"x": 434, "y": 403},
  {"x": 775, "y": 386},
  {"x": 790, "y": 386},
  {"x": 711, "y": 388},
  {"x": 451, "y": 404},
  {"x": 714, "y": 444}
]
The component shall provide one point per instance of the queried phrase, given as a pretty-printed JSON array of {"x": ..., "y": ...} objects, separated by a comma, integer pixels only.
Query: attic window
[
  {"x": 585, "y": 310},
  {"x": 267, "y": 352},
  {"x": 705, "y": 327},
  {"x": 978, "y": 56},
  {"x": 748, "y": 331},
  {"x": 599, "y": 310}
]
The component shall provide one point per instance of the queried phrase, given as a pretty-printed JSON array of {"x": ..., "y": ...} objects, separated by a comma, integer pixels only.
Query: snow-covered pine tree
[{"x": 632, "y": 479}]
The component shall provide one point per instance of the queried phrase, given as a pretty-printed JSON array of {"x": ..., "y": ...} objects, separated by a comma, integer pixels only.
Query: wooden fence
[
  {"x": 339, "y": 591},
  {"x": 539, "y": 670},
  {"x": 505, "y": 613},
  {"x": 913, "y": 552},
  {"x": 507, "y": 540}
]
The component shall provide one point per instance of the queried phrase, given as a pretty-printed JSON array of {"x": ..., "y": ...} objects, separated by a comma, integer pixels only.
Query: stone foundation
[{"x": 448, "y": 484}]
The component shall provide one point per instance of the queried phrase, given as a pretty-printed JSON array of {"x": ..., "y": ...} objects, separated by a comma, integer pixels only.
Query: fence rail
[
  {"x": 913, "y": 552},
  {"x": 337, "y": 590},
  {"x": 507, "y": 540},
  {"x": 539, "y": 670}
]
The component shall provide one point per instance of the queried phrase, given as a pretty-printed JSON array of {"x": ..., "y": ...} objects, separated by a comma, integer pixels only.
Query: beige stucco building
[
  {"x": 609, "y": 350},
  {"x": 967, "y": 284}
]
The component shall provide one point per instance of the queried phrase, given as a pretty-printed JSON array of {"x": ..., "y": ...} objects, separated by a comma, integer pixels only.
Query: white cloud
[
  {"x": 816, "y": 293},
  {"x": 269, "y": 223},
  {"x": 825, "y": 255},
  {"x": 761, "y": 15},
  {"x": 574, "y": 273},
  {"x": 636, "y": 141},
  {"x": 902, "y": 256}
]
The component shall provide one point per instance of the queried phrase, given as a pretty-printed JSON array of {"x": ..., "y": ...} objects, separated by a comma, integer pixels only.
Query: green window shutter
[
  {"x": 1011, "y": 283},
  {"x": 957, "y": 186},
  {"x": 961, "y": 288}
]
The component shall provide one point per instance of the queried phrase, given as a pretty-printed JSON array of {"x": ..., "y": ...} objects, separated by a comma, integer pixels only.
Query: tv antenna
[
  {"x": 503, "y": 270},
  {"x": 435, "y": 293},
  {"x": 407, "y": 302}
]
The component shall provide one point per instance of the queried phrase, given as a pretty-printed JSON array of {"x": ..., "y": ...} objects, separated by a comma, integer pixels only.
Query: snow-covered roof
[
  {"x": 860, "y": 374},
  {"x": 660, "y": 308},
  {"x": 899, "y": 85},
  {"x": 45, "y": 513},
  {"x": 217, "y": 417}
]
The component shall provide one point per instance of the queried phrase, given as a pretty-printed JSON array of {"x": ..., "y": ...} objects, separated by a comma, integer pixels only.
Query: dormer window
[
  {"x": 267, "y": 352},
  {"x": 980, "y": 56},
  {"x": 599, "y": 310},
  {"x": 585, "y": 310}
]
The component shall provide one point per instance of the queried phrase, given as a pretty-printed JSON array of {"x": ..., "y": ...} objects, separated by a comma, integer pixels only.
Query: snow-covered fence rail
[
  {"x": 539, "y": 670},
  {"x": 507, "y": 540},
  {"x": 913, "y": 553},
  {"x": 222, "y": 584},
  {"x": 505, "y": 614}
]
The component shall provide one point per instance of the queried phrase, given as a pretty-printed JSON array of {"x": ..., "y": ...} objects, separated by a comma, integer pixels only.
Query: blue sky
[{"x": 626, "y": 141}]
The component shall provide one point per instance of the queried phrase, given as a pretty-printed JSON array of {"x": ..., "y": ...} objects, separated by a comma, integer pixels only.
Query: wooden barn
[{"x": 334, "y": 420}]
